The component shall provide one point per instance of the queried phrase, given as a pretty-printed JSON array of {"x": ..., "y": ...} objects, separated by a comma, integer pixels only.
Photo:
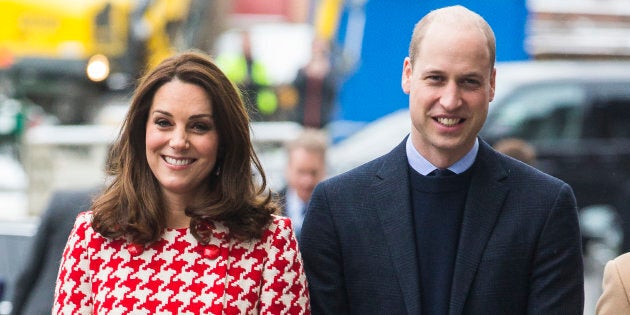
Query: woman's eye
[
  {"x": 162, "y": 122},
  {"x": 201, "y": 127}
]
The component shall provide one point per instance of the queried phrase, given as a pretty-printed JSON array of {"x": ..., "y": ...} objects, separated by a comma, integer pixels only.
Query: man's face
[
  {"x": 449, "y": 87},
  {"x": 304, "y": 170}
]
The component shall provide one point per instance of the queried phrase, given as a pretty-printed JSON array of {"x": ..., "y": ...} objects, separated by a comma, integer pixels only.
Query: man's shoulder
[
  {"x": 365, "y": 171},
  {"x": 515, "y": 171},
  {"x": 519, "y": 170},
  {"x": 394, "y": 158},
  {"x": 526, "y": 181}
]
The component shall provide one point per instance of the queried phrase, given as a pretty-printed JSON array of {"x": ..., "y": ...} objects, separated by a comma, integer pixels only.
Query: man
[
  {"x": 35, "y": 285},
  {"x": 497, "y": 237},
  {"x": 306, "y": 166}
]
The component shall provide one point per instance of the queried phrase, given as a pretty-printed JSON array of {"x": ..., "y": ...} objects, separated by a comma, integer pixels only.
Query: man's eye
[{"x": 471, "y": 83}]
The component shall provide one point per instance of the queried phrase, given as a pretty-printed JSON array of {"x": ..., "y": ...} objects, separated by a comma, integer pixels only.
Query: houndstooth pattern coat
[{"x": 172, "y": 276}]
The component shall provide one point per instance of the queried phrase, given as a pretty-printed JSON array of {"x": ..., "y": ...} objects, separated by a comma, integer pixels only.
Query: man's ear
[
  {"x": 407, "y": 72},
  {"x": 493, "y": 83}
]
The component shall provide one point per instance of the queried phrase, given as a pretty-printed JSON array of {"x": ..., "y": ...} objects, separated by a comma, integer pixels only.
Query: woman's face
[{"x": 181, "y": 139}]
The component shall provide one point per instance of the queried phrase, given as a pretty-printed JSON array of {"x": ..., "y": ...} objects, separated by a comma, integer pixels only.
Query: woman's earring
[{"x": 218, "y": 170}]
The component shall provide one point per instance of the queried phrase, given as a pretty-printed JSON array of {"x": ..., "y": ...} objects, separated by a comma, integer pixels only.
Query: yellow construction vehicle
[{"x": 66, "y": 54}]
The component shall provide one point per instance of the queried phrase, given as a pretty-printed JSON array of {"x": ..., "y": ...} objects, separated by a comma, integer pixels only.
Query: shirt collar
[{"x": 424, "y": 167}]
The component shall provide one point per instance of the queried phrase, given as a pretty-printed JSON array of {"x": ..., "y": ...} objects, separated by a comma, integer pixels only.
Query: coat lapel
[
  {"x": 393, "y": 207},
  {"x": 480, "y": 215}
]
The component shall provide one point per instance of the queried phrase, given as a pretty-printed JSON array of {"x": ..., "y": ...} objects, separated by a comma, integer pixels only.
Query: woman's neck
[{"x": 176, "y": 211}]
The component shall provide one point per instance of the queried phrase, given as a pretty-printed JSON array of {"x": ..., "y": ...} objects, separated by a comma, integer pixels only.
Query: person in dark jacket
[
  {"x": 35, "y": 285},
  {"x": 399, "y": 235},
  {"x": 316, "y": 87},
  {"x": 306, "y": 167}
]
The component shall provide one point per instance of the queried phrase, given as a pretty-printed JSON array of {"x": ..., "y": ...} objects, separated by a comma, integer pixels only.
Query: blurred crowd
[{"x": 309, "y": 99}]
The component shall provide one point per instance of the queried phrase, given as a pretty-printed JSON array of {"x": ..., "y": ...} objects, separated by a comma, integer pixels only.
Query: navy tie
[{"x": 441, "y": 172}]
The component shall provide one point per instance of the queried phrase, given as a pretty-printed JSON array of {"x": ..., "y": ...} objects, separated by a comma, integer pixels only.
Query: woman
[
  {"x": 183, "y": 227},
  {"x": 615, "y": 298}
]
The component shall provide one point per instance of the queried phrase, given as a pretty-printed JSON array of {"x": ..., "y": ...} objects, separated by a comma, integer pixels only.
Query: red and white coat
[{"x": 172, "y": 276}]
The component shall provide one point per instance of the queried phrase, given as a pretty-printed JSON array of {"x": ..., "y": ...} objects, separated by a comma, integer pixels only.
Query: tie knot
[{"x": 441, "y": 172}]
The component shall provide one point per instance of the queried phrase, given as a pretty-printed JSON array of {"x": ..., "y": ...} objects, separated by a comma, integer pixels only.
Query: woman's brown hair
[{"x": 132, "y": 207}]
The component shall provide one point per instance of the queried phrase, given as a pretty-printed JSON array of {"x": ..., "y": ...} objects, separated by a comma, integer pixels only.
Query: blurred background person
[
  {"x": 35, "y": 285},
  {"x": 518, "y": 149},
  {"x": 315, "y": 85},
  {"x": 306, "y": 166},
  {"x": 252, "y": 78},
  {"x": 1, "y": 288},
  {"x": 183, "y": 226}
]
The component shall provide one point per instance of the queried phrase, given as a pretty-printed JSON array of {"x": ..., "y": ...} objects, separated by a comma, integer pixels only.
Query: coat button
[
  {"x": 135, "y": 249},
  {"x": 211, "y": 251}
]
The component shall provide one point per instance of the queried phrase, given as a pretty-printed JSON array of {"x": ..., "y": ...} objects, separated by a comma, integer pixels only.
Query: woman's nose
[{"x": 179, "y": 140}]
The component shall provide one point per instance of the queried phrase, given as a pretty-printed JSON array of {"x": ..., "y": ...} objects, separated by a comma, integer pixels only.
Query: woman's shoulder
[
  {"x": 279, "y": 222},
  {"x": 85, "y": 215},
  {"x": 83, "y": 224},
  {"x": 84, "y": 219},
  {"x": 280, "y": 227}
]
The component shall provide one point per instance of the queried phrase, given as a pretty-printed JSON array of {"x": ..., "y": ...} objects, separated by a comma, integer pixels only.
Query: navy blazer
[{"x": 519, "y": 248}]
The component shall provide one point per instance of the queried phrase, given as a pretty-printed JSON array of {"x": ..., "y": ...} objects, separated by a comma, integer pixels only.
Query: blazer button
[
  {"x": 135, "y": 249},
  {"x": 211, "y": 252}
]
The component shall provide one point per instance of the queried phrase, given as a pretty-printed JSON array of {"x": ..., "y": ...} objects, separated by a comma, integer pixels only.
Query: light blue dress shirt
[{"x": 424, "y": 167}]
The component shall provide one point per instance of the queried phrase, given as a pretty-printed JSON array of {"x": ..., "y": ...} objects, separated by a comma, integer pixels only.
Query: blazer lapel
[
  {"x": 481, "y": 212},
  {"x": 393, "y": 207}
]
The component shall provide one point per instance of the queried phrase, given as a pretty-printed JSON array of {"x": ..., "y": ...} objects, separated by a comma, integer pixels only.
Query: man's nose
[{"x": 451, "y": 96}]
